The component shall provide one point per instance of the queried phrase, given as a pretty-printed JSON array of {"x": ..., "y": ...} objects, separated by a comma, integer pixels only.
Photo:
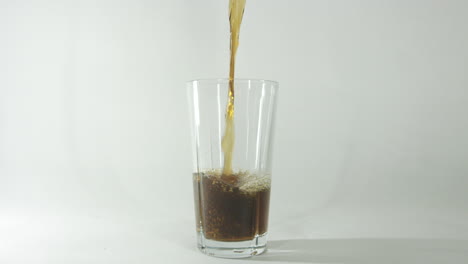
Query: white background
[{"x": 370, "y": 160}]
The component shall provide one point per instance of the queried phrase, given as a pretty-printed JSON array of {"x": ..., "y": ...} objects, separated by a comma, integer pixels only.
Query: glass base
[{"x": 239, "y": 249}]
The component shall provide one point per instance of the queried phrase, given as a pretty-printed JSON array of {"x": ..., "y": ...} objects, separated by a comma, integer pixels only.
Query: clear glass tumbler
[{"x": 232, "y": 210}]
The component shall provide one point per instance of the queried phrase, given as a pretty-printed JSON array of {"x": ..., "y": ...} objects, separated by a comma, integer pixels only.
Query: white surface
[
  {"x": 371, "y": 147},
  {"x": 334, "y": 235}
]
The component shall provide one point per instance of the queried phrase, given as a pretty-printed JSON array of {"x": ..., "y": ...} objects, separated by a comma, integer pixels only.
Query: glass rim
[{"x": 226, "y": 80}]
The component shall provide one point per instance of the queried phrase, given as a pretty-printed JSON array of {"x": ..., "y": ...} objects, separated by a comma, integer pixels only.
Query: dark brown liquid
[{"x": 231, "y": 208}]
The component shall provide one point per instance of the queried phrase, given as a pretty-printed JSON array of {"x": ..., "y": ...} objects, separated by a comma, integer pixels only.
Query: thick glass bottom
[{"x": 238, "y": 249}]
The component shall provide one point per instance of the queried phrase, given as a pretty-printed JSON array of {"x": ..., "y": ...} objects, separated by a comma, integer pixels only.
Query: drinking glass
[{"x": 232, "y": 209}]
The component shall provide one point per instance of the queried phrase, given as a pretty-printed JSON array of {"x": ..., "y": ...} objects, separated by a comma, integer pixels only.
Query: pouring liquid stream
[{"x": 236, "y": 12}]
